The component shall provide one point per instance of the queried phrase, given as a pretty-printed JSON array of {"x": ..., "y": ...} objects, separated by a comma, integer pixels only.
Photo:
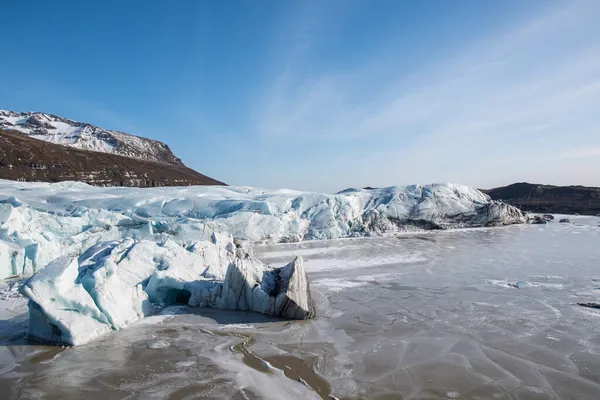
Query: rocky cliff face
[
  {"x": 66, "y": 132},
  {"x": 23, "y": 158}
]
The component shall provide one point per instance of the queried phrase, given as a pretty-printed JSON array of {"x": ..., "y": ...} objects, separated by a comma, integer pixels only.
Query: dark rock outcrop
[
  {"x": 590, "y": 305},
  {"x": 549, "y": 199}
]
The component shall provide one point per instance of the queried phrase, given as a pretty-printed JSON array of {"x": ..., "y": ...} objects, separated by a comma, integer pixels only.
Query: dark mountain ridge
[{"x": 548, "y": 198}]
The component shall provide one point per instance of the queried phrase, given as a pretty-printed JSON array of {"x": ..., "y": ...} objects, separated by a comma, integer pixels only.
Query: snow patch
[
  {"x": 337, "y": 285},
  {"x": 159, "y": 344}
]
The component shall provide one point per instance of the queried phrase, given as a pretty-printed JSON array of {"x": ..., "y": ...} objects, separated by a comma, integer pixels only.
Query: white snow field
[{"x": 109, "y": 256}]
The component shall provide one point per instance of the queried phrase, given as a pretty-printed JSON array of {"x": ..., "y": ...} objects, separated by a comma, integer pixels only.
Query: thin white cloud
[
  {"x": 537, "y": 85},
  {"x": 579, "y": 153}
]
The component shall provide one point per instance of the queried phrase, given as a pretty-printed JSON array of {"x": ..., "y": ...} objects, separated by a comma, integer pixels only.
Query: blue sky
[{"x": 324, "y": 95}]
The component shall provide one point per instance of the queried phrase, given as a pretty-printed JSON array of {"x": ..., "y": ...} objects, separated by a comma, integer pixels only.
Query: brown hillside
[{"x": 26, "y": 159}]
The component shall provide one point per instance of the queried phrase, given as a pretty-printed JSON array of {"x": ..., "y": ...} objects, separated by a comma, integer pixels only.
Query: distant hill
[
  {"x": 23, "y": 158},
  {"x": 549, "y": 199}
]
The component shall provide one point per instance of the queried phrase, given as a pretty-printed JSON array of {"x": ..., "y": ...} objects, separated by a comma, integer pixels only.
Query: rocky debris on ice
[
  {"x": 76, "y": 299},
  {"x": 590, "y": 305},
  {"x": 521, "y": 285},
  {"x": 41, "y": 221}
]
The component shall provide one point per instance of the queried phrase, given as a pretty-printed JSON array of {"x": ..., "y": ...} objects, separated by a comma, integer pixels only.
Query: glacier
[
  {"x": 40, "y": 221},
  {"x": 102, "y": 258}
]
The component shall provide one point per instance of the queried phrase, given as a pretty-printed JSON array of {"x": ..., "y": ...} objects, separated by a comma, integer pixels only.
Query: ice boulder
[
  {"x": 282, "y": 292},
  {"x": 60, "y": 309},
  {"x": 112, "y": 284}
]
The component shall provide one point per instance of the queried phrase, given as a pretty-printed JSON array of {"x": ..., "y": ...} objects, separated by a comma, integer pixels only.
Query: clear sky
[{"x": 324, "y": 95}]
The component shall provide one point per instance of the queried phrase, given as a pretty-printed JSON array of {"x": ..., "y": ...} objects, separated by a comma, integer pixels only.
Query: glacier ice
[
  {"x": 12, "y": 259},
  {"x": 106, "y": 257},
  {"x": 61, "y": 311},
  {"x": 75, "y": 299},
  {"x": 50, "y": 220}
]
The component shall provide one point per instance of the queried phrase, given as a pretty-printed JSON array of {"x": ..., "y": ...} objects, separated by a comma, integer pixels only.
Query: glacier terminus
[{"x": 102, "y": 258}]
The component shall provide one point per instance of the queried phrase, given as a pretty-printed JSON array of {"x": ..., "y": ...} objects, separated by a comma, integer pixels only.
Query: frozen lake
[{"x": 418, "y": 316}]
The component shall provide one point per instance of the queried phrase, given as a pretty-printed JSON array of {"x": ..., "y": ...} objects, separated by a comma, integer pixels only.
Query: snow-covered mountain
[
  {"x": 66, "y": 132},
  {"x": 38, "y": 147}
]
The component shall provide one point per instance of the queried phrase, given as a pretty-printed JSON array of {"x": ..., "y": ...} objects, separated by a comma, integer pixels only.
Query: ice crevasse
[{"x": 106, "y": 257}]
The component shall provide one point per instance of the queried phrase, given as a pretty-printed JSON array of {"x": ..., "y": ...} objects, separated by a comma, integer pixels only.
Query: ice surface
[
  {"x": 455, "y": 324},
  {"x": 449, "y": 324}
]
